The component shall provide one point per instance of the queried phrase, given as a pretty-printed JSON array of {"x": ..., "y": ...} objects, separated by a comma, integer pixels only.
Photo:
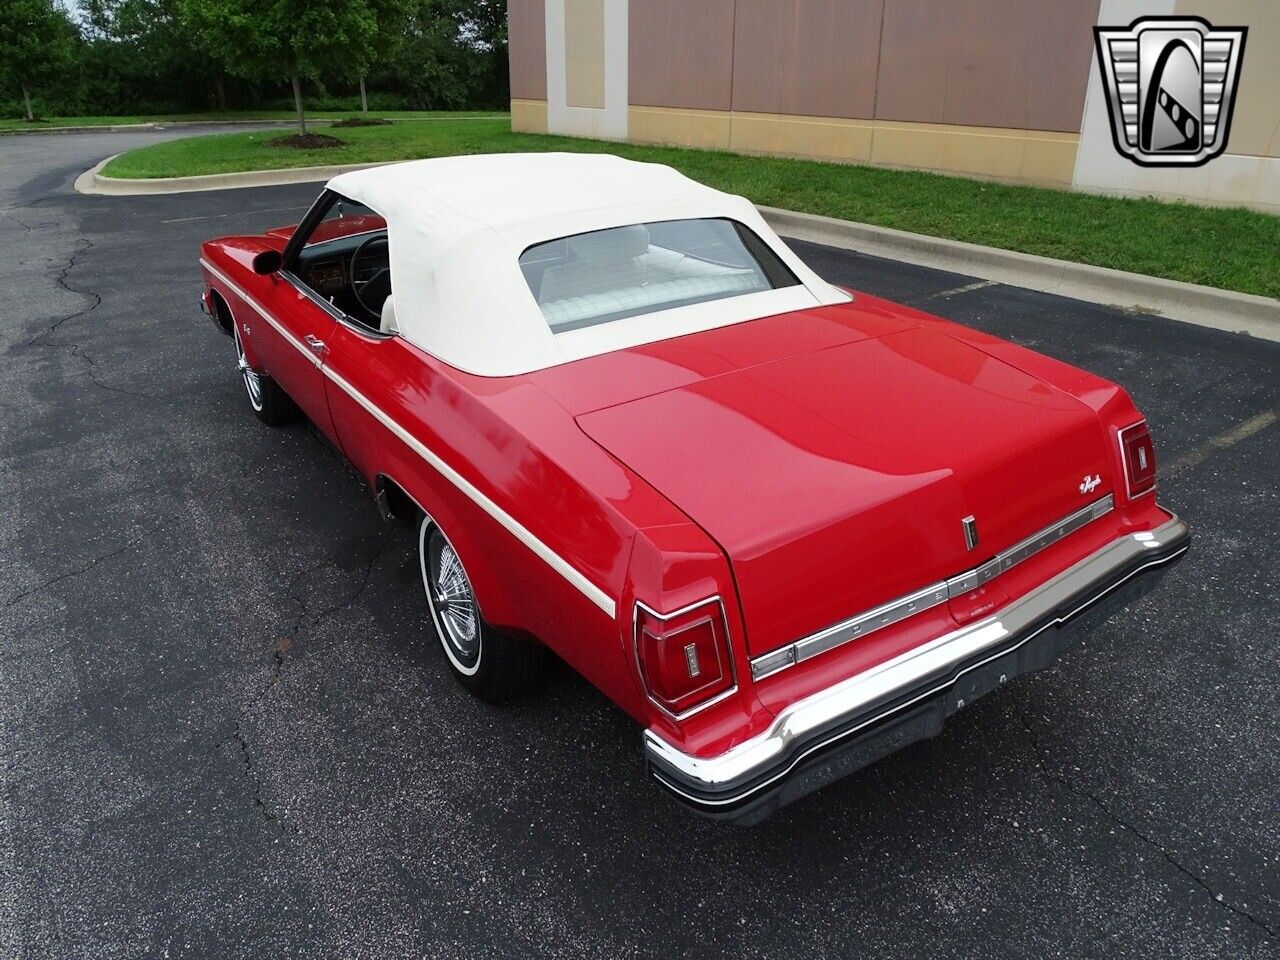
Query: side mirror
[{"x": 267, "y": 262}]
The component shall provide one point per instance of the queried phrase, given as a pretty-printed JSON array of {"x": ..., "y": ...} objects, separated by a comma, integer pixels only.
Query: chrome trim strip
[
  {"x": 345, "y": 236},
  {"x": 864, "y": 623},
  {"x": 806, "y": 719},
  {"x": 355, "y": 326},
  {"x": 289, "y": 337},
  {"x": 513, "y": 526},
  {"x": 635, "y": 651},
  {"x": 895, "y": 610}
]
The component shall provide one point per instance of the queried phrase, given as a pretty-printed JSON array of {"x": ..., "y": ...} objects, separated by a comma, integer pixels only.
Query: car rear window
[{"x": 605, "y": 275}]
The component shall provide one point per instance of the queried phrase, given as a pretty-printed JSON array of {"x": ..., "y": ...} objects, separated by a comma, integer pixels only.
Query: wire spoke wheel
[
  {"x": 453, "y": 603},
  {"x": 252, "y": 382}
]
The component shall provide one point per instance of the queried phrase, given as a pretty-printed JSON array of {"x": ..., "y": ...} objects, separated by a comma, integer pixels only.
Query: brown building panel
[
  {"x": 807, "y": 57},
  {"x": 994, "y": 63},
  {"x": 527, "y": 49},
  {"x": 680, "y": 53}
]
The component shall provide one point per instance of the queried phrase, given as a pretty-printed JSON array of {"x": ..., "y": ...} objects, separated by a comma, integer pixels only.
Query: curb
[
  {"x": 170, "y": 124},
  {"x": 93, "y": 182},
  {"x": 1130, "y": 292},
  {"x": 94, "y": 128},
  {"x": 149, "y": 125}
]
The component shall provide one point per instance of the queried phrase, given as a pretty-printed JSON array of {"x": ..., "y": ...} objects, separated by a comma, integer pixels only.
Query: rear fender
[{"x": 672, "y": 567}]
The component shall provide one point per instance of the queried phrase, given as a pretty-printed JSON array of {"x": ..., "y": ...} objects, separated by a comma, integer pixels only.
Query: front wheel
[
  {"x": 269, "y": 403},
  {"x": 489, "y": 663}
]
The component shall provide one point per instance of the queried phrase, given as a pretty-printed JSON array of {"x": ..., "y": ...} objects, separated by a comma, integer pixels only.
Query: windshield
[{"x": 641, "y": 268}]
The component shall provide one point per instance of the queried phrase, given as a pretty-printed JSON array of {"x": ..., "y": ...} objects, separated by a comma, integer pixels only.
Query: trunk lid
[{"x": 837, "y": 480}]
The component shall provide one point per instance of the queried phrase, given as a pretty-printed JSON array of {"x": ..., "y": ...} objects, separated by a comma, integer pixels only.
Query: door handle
[{"x": 315, "y": 343}]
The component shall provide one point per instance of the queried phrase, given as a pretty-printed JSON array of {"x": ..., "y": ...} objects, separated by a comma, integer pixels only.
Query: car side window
[{"x": 344, "y": 261}]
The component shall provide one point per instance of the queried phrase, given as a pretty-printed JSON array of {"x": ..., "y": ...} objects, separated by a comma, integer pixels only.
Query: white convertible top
[{"x": 457, "y": 225}]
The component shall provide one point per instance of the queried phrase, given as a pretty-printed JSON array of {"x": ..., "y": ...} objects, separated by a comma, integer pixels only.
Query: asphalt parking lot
[{"x": 226, "y": 729}]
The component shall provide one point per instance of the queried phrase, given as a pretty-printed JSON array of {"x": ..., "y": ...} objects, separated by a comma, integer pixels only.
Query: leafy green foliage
[
  {"x": 36, "y": 41},
  {"x": 452, "y": 54},
  {"x": 275, "y": 39},
  {"x": 162, "y": 56}
]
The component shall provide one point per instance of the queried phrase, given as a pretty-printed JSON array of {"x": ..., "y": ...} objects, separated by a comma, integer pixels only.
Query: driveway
[{"x": 226, "y": 728}]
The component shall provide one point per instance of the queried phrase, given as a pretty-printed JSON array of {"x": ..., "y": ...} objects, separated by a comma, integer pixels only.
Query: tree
[
  {"x": 389, "y": 16},
  {"x": 278, "y": 39},
  {"x": 36, "y": 39},
  {"x": 454, "y": 54},
  {"x": 151, "y": 46}
]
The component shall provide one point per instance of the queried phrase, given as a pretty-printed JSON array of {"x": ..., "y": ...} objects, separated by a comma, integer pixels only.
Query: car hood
[{"x": 837, "y": 479}]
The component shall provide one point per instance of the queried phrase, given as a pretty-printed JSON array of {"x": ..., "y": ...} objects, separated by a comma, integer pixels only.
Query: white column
[{"x": 609, "y": 123}]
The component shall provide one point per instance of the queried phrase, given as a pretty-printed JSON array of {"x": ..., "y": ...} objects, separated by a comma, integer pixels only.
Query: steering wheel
[{"x": 378, "y": 285}]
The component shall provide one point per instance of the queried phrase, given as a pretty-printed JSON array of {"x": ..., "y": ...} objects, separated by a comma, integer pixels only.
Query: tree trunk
[
  {"x": 297, "y": 104},
  {"x": 364, "y": 97},
  {"x": 26, "y": 98},
  {"x": 221, "y": 93}
]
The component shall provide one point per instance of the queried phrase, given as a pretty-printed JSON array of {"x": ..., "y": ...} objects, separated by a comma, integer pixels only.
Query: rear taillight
[
  {"x": 1139, "y": 458},
  {"x": 684, "y": 657}
]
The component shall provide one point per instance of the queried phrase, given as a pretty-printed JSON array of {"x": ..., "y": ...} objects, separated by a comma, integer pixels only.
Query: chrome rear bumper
[{"x": 855, "y": 722}]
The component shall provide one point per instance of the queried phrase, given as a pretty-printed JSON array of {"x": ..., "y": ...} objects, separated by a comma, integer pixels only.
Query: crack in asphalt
[
  {"x": 128, "y": 544},
  {"x": 365, "y": 576},
  {"x": 95, "y": 301},
  {"x": 61, "y": 280},
  {"x": 1101, "y": 805},
  {"x": 237, "y": 734},
  {"x": 283, "y": 646},
  {"x": 22, "y": 223}
]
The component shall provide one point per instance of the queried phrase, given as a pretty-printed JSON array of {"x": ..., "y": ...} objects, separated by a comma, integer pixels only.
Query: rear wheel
[
  {"x": 489, "y": 663},
  {"x": 269, "y": 403}
]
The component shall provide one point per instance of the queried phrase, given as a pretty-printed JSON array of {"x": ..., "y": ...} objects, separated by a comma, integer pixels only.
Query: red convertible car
[{"x": 787, "y": 527}]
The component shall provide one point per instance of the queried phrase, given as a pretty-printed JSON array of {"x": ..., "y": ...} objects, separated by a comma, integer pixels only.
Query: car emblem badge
[
  {"x": 970, "y": 532},
  {"x": 1090, "y": 484},
  {"x": 1170, "y": 86}
]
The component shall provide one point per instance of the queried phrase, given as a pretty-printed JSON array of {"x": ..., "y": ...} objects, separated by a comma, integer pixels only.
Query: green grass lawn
[
  {"x": 1221, "y": 247},
  {"x": 51, "y": 122}
]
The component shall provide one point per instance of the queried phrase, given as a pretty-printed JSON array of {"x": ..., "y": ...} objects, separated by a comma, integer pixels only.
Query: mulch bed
[
  {"x": 361, "y": 122},
  {"x": 305, "y": 141}
]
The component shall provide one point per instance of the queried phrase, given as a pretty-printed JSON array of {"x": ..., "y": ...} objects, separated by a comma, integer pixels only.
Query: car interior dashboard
[{"x": 328, "y": 269}]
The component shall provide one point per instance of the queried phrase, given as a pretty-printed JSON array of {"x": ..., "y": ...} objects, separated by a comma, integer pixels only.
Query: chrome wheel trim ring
[
  {"x": 252, "y": 382},
  {"x": 454, "y": 610}
]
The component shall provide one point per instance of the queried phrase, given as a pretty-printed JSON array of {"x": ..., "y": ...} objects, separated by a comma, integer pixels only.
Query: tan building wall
[
  {"x": 1255, "y": 126},
  {"x": 1001, "y": 89},
  {"x": 867, "y": 81}
]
